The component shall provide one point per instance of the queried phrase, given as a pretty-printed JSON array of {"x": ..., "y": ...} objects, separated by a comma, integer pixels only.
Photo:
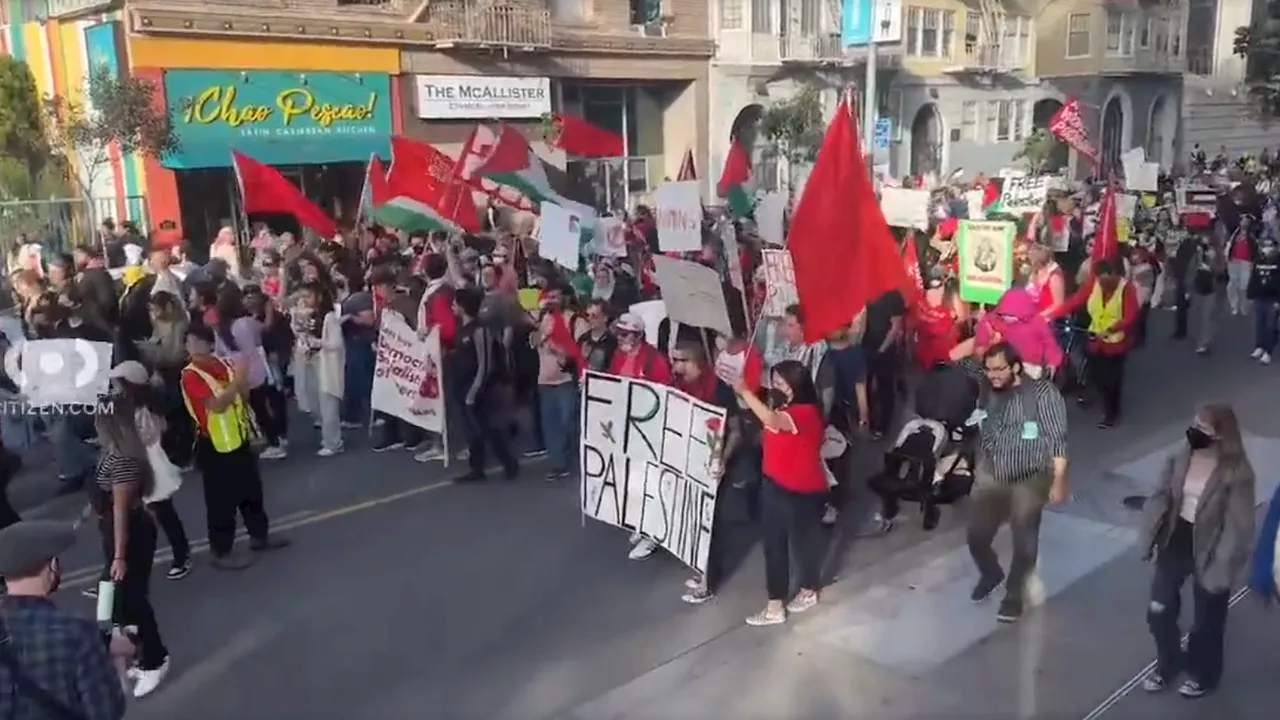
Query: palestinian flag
[
  {"x": 505, "y": 157},
  {"x": 429, "y": 174},
  {"x": 401, "y": 205},
  {"x": 734, "y": 180}
]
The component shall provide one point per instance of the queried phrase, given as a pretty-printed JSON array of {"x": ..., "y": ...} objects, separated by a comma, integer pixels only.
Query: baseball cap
[
  {"x": 630, "y": 322},
  {"x": 132, "y": 372}
]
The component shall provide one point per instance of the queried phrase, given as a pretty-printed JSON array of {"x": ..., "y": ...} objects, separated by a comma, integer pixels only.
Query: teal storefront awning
[{"x": 277, "y": 117}]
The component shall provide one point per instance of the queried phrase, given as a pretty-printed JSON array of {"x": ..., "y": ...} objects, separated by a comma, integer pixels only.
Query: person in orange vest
[{"x": 1112, "y": 304}]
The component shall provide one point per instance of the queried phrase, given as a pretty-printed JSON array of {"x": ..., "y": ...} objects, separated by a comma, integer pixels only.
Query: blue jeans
[
  {"x": 1265, "y": 331},
  {"x": 558, "y": 408},
  {"x": 357, "y": 381}
]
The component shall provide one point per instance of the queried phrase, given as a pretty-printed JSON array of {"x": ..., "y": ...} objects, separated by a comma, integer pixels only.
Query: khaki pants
[{"x": 1021, "y": 506}]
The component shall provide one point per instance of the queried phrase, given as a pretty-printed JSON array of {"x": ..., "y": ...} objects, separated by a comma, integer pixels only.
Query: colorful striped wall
[{"x": 60, "y": 55}]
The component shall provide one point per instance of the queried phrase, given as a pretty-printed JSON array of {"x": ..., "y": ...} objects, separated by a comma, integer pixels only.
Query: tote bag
[{"x": 167, "y": 476}]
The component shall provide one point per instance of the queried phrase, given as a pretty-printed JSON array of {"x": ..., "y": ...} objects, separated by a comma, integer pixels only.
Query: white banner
[
  {"x": 905, "y": 207},
  {"x": 679, "y": 216},
  {"x": 647, "y": 455},
  {"x": 480, "y": 97},
  {"x": 771, "y": 213},
  {"x": 1023, "y": 195},
  {"x": 407, "y": 380},
  {"x": 692, "y": 293},
  {"x": 780, "y": 282},
  {"x": 610, "y": 237},
  {"x": 559, "y": 235}
]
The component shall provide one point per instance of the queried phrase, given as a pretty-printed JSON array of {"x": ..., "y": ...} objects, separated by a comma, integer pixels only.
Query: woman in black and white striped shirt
[{"x": 124, "y": 478}]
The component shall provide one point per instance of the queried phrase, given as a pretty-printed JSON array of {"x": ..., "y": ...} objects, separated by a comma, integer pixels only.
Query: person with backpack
[{"x": 476, "y": 368}]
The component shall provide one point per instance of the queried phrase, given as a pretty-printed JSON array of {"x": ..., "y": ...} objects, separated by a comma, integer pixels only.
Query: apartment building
[
  {"x": 1123, "y": 60},
  {"x": 1215, "y": 111},
  {"x": 427, "y": 70}
]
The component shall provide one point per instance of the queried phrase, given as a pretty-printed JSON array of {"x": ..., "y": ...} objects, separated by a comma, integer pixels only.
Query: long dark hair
[
  {"x": 117, "y": 429},
  {"x": 230, "y": 308},
  {"x": 797, "y": 376}
]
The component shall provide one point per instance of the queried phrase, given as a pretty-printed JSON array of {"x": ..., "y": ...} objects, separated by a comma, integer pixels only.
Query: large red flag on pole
[
  {"x": 1106, "y": 239},
  {"x": 843, "y": 252},
  {"x": 264, "y": 190}
]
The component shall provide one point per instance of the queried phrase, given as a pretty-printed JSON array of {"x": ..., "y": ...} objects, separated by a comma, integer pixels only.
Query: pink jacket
[{"x": 1016, "y": 320}]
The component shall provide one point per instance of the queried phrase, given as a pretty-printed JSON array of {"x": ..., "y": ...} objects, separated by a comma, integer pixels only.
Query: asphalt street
[{"x": 406, "y": 597}]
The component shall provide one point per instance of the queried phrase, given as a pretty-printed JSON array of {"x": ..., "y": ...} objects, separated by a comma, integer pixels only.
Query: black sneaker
[
  {"x": 1192, "y": 689},
  {"x": 271, "y": 542},
  {"x": 1010, "y": 610},
  {"x": 985, "y": 587},
  {"x": 556, "y": 475},
  {"x": 384, "y": 447},
  {"x": 179, "y": 570}
]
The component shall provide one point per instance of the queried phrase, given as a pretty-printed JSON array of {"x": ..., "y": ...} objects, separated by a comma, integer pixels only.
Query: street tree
[
  {"x": 1042, "y": 151},
  {"x": 22, "y": 138},
  {"x": 795, "y": 128},
  {"x": 1259, "y": 44},
  {"x": 117, "y": 111}
]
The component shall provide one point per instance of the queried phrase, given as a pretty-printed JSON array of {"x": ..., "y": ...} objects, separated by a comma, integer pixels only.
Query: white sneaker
[
  {"x": 329, "y": 451},
  {"x": 1265, "y": 359},
  {"x": 1257, "y": 353},
  {"x": 635, "y": 538},
  {"x": 274, "y": 453},
  {"x": 642, "y": 550},
  {"x": 431, "y": 454},
  {"x": 149, "y": 680}
]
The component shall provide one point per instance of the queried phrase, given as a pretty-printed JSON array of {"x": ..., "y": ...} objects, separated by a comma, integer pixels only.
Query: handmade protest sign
[
  {"x": 648, "y": 456},
  {"x": 986, "y": 259},
  {"x": 780, "y": 282},
  {"x": 559, "y": 235},
  {"x": 407, "y": 379},
  {"x": 652, "y": 312},
  {"x": 1196, "y": 199},
  {"x": 610, "y": 237},
  {"x": 771, "y": 214},
  {"x": 732, "y": 252},
  {"x": 905, "y": 207},
  {"x": 679, "y": 216},
  {"x": 1023, "y": 194},
  {"x": 973, "y": 199},
  {"x": 692, "y": 293}
]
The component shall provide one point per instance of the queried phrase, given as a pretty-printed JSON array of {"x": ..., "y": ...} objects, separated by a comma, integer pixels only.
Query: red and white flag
[{"x": 1068, "y": 126}]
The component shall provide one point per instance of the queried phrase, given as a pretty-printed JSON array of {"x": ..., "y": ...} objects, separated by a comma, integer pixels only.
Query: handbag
[
  {"x": 167, "y": 478},
  {"x": 29, "y": 688}
]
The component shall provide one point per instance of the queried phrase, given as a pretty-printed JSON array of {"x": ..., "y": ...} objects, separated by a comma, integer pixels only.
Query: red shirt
[
  {"x": 936, "y": 333},
  {"x": 794, "y": 460},
  {"x": 1129, "y": 315},
  {"x": 644, "y": 363},
  {"x": 197, "y": 391}
]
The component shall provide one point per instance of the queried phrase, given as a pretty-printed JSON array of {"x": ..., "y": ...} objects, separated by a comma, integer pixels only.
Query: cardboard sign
[
  {"x": 648, "y": 455},
  {"x": 609, "y": 237},
  {"x": 1196, "y": 199},
  {"x": 780, "y": 282},
  {"x": 1023, "y": 194},
  {"x": 679, "y": 216},
  {"x": 692, "y": 293},
  {"x": 905, "y": 208},
  {"x": 407, "y": 379},
  {"x": 986, "y": 259},
  {"x": 771, "y": 218},
  {"x": 560, "y": 235},
  {"x": 652, "y": 312},
  {"x": 973, "y": 199},
  {"x": 732, "y": 253}
]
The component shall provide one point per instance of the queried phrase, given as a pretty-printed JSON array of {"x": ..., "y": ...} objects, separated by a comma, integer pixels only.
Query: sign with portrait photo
[{"x": 986, "y": 259}]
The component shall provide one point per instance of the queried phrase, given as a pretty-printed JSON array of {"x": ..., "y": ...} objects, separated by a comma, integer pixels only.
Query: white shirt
[{"x": 1198, "y": 472}]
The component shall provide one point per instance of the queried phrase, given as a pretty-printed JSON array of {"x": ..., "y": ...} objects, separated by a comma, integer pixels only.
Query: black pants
[
  {"x": 231, "y": 483},
  {"x": 167, "y": 517},
  {"x": 179, "y": 437},
  {"x": 791, "y": 521},
  {"x": 483, "y": 434},
  {"x": 269, "y": 409},
  {"x": 1181, "y": 308},
  {"x": 882, "y": 389},
  {"x": 133, "y": 593},
  {"x": 1106, "y": 372},
  {"x": 394, "y": 430},
  {"x": 1140, "y": 330},
  {"x": 1175, "y": 564}
]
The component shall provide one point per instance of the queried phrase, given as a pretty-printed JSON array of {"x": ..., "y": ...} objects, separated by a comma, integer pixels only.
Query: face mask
[
  {"x": 776, "y": 398},
  {"x": 626, "y": 343},
  {"x": 1198, "y": 439}
]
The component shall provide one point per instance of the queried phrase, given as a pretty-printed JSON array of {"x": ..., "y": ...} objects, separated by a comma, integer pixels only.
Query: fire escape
[
  {"x": 988, "y": 50},
  {"x": 487, "y": 25},
  {"x": 810, "y": 32}
]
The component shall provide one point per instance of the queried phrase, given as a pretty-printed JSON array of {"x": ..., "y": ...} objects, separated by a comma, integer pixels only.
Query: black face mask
[{"x": 1198, "y": 439}]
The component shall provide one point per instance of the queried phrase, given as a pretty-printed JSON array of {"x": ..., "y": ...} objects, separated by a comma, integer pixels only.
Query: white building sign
[{"x": 477, "y": 97}]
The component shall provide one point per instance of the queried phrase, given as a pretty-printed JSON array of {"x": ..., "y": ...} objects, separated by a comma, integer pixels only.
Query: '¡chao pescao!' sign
[{"x": 295, "y": 107}]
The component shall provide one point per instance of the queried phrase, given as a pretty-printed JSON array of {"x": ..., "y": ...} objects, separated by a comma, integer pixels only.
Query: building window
[
  {"x": 1024, "y": 41},
  {"x": 993, "y": 112},
  {"x": 1144, "y": 35},
  {"x": 810, "y": 18},
  {"x": 1001, "y": 120},
  {"x": 1115, "y": 24},
  {"x": 1175, "y": 37},
  {"x": 913, "y": 30},
  {"x": 1162, "y": 35},
  {"x": 1019, "y": 117},
  {"x": 731, "y": 14},
  {"x": 948, "y": 32},
  {"x": 972, "y": 32},
  {"x": 929, "y": 33},
  {"x": 766, "y": 169},
  {"x": 1127, "y": 33},
  {"x": 969, "y": 121},
  {"x": 1078, "y": 35},
  {"x": 762, "y": 17}
]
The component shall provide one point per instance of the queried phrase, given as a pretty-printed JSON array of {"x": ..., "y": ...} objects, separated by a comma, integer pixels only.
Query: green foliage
[
  {"x": 1038, "y": 150},
  {"x": 120, "y": 111},
  {"x": 22, "y": 140},
  {"x": 795, "y": 126},
  {"x": 1259, "y": 45}
]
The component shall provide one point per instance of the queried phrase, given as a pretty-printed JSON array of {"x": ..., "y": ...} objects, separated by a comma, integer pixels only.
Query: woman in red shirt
[
  {"x": 936, "y": 321},
  {"x": 794, "y": 493}
]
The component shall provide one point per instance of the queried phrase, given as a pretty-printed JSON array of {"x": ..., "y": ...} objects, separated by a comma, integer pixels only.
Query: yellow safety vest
[
  {"x": 228, "y": 430},
  {"x": 1103, "y": 315}
]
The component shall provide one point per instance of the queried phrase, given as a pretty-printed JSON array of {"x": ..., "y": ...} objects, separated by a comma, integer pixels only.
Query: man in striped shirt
[{"x": 1021, "y": 465}]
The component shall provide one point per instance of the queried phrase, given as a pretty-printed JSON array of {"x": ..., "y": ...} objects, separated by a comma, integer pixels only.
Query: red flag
[
  {"x": 1106, "y": 241},
  {"x": 1068, "y": 126},
  {"x": 687, "y": 169},
  {"x": 263, "y": 190},
  {"x": 579, "y": 137},
  {"x": 913, "y": 290},
  {"x": 841, "y": 246},
  {"x": 413, "y": 161}
]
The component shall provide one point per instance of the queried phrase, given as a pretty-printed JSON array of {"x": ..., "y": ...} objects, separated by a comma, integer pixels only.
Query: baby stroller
[{"x": 931, "y": 463}]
